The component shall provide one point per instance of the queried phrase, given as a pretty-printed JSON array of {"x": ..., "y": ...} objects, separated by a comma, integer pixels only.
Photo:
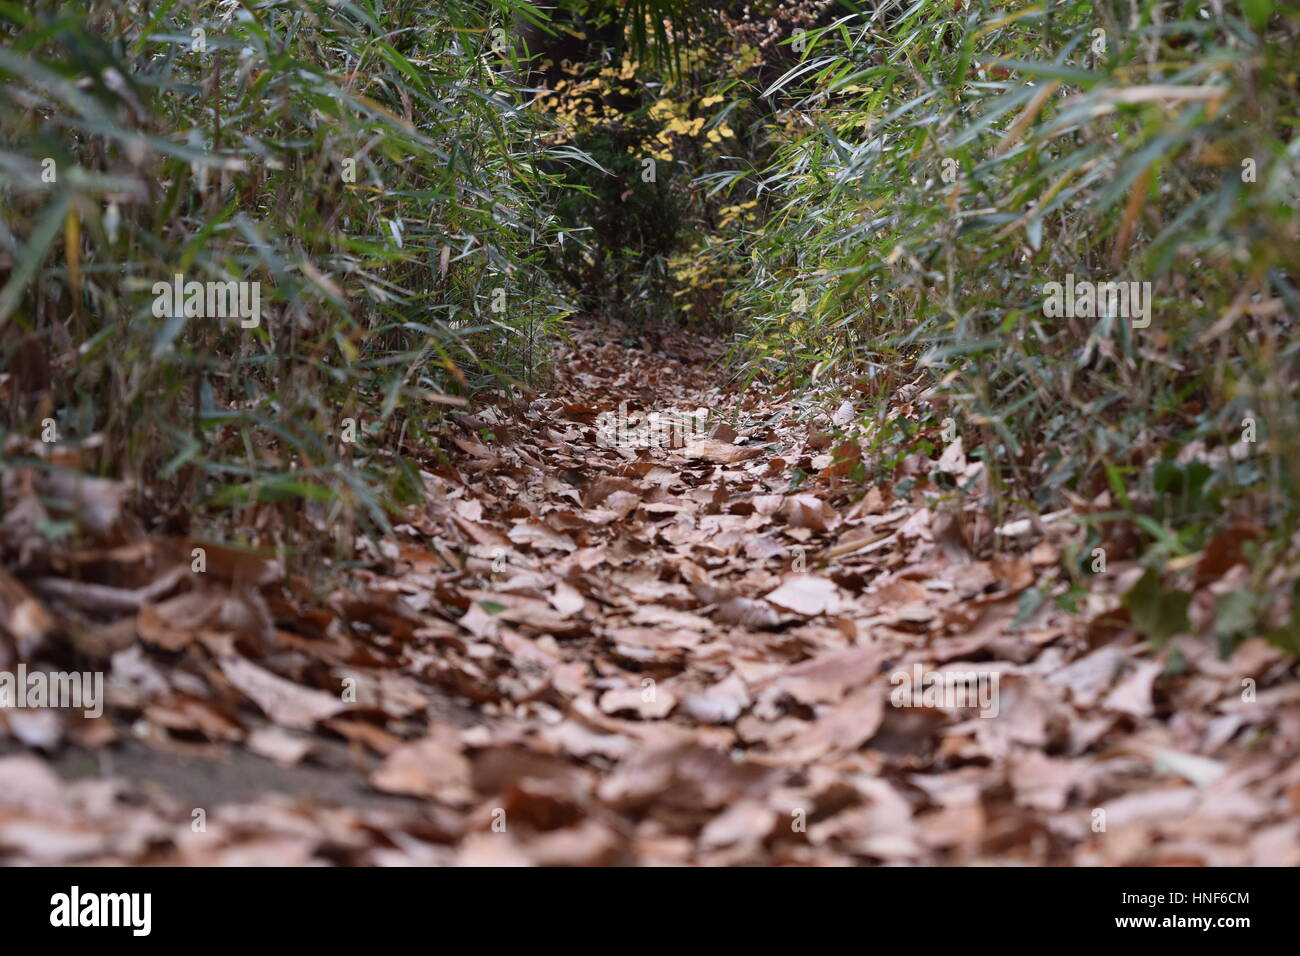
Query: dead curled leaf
[
  {"x": 842, "y": 730},
  {"x": 720, "y": 704},
  {"x": 806, "y": 594},
  {"x": 432, "y": 767},
  {"x": 719, "y": 452},
  {"x": 281, "y": 700},
  {"x": 809, "y": 511}
]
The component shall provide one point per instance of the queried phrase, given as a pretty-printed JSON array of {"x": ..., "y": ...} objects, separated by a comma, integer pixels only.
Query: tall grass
[
  {"x": 929, "y": 168},
  {"x": 371, "y": 165},
  {"x": 1120, "y": 163}
]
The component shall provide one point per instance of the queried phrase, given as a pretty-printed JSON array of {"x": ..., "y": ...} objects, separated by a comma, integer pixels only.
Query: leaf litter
[{"x": 580, "y": 653}]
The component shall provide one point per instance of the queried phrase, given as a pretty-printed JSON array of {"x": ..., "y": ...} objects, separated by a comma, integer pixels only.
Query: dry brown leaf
[
  {"x": 719, "y": 452},
  {"x": 806, "y": 594},
  {"x": 281, "y": 700}
]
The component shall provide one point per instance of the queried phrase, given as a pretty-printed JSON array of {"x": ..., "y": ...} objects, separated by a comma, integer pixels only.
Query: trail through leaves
[{"x": 584, "y": 652}]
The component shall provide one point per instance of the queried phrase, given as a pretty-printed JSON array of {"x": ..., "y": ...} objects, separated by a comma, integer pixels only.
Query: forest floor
[{"x": 576, "y": 652}]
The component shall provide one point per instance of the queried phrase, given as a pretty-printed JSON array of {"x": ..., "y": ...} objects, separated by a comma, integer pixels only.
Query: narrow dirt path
[{"x": 589, "y": 648}]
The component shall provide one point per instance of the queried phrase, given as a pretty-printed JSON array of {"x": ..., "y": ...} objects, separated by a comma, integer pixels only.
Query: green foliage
[
  {"x": 1053, "y": 146},
  {"x": 933, "y": 166},
  {"x": 374, "y": 169},
  {"x": 1157, "y": 612}
]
